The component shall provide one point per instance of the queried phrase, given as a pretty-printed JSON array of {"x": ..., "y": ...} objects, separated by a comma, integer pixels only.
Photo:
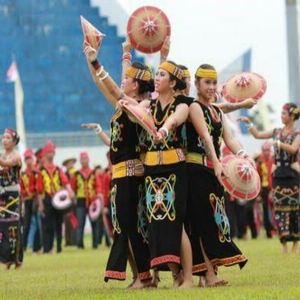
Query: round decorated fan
[{"x": 147, "y": 28}]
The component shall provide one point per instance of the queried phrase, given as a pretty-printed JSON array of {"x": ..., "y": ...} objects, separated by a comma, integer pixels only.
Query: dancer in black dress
[
  {"x": 210, "y": 230},
  {"x": 285, "y": 176}
]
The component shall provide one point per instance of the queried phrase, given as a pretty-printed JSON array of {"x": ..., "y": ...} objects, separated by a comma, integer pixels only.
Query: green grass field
[{"x": 76, "y": 274}]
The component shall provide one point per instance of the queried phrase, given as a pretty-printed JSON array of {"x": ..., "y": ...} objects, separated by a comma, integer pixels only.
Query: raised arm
[
  {"x": 197, "y": 119},
  {"x": 111, "y": 89},
  {"x": 98, "y": 130},
  {"x": 252, "y": 129},
  {"x": 228, "y": 107},
  {"x": 165, "y": 49},
  {"x": 127, "y": 57},
  {"x": 101, "y": 86}
]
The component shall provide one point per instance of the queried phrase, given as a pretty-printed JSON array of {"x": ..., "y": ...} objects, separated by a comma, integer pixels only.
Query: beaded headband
[
  {"x": 139, "y": 74},
  {"x": 291, "y": 110},
  {"x": 204, "y": 73},
  {"x": 172, "y": 69},
  {"x": 186, "y": 73},
  {"x": 12, "y": 133}
]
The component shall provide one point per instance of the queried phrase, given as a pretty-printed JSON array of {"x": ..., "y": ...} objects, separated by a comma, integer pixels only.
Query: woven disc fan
[
  {"x": 143, "y": 117},
  {"x": 147, "y": 28},
  {"x": 243, "y": 86},
  {"x": 243, "y": 181}
]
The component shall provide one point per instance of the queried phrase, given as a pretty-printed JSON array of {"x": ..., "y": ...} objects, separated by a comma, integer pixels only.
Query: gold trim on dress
[
  {"x": 164, "y": 157},
  {"x": 128, "y": 168}
]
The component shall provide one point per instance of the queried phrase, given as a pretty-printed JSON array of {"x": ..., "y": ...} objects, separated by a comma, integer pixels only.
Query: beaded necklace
[
  {"x": 214, "y": 114},
  {"x": 166, "y": 114}
]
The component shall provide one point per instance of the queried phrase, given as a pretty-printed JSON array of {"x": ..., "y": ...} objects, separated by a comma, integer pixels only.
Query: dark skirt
[
  {"x": 11, "y": 231},
  {"x": 124, "y": 205},
  {"x": 209, "y": 222},
  {"x": 142, "y": 222},
  {"x": 286, "y": 205},
  {"x": 166, "y": 193}
]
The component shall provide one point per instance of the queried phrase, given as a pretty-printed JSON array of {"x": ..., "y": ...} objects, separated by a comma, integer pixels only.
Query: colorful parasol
[
  {"x": 243, "y": 181},
  {"x": 243, "y": 86},
  {"x": 147, "y": 28},
  {"x": 143, "y": 117},
  {"x": 92, "y": 35}
]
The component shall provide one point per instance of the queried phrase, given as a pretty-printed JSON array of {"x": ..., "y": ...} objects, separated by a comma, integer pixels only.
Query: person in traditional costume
[
  {"x": 87, "y": 187},
  {"x": 285, "y": 175},
  {"x": 104, "y": 223},
  {"x": 28, "y": 183},
  {"x": 51, "y": 179},
  {"x": 127, "y": 171},
  {"x": 11, "y": 237},
  {"x": 165, "y": 177},
  {"x": 209, "y": 227},
  {"x": 264, "y": 165},
  {"x": 70, "y": 221}
]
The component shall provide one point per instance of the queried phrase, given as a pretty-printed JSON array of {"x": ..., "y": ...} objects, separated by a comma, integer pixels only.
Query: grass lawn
[{"x": 76, "y": 274}]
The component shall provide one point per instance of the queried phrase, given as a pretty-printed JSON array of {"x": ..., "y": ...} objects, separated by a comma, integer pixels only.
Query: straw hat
[
  {"x": 243, "y": 86},
  {"x": 142, "y": 116},
  {"x": 92, "y": 35},
  {"x": 147, "y": 28},
  {"x": 66, "y": 161},
  {"x": 243, "y": 181}
]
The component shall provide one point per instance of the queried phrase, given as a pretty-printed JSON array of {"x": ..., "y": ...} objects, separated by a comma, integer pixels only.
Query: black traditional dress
[
  {"x": 166, "y": 189},
  {"x": 11, "y": 231},
  {"x": 285, "y": 183},
  {"x": 127, "y": 175},
  {"x": 206, "y": 201}
]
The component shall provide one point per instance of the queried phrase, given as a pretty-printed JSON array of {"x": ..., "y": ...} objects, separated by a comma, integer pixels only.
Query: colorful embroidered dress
[
  {"x": 166, "y": 189},
  {"x": 128, "y": 173},
  {"x": 11, "y": 237},
  {"x": 206, "y": 203},
  {"x": 286, "y": 189}
]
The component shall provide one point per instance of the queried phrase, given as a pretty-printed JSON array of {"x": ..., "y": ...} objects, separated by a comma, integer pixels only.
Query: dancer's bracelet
[
  {"x": 98, "y": 129},
  {"x": 249, "y": 126}
]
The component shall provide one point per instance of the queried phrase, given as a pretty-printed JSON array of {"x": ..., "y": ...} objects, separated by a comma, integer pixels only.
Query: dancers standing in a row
[{"x": 165, "y": 176}]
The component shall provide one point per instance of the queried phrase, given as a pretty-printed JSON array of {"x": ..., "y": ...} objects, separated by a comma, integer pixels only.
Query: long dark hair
[{"x": 180, "y": 84}]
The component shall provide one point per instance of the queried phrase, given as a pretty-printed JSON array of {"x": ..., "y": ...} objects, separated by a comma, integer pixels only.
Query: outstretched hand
[
  {"x": 249, "y": 103},
  {"x": 127, "y": 45},
  {"x": 244, "y": 119},
  {"x": 220, "y": 172},
  {"x": 90, "y": 125},
  {"x": 165, "y": 49}
]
